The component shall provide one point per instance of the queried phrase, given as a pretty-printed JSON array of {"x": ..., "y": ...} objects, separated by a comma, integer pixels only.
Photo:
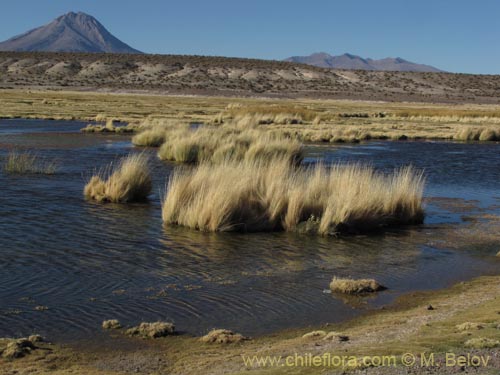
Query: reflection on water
[{"x": 88, "y": 262}]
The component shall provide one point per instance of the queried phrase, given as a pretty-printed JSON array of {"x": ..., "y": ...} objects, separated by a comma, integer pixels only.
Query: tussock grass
[
  {"x": 467, "y": 326},
  {"x": 274, "y": 113},
  {"x": 222, "y": 336},
  {"x": 482, "y": 343},
  {"x": 354, "y": 286},
  {"x": 154, "y": 131},
  {"x": 111, "y": 324},
  {"x": 152, "y": 330},
  {"x": 154, "y": 137},
  {"x": 478, "y": 134},
  {"x": 218, "y": 144},
  {"x": 448, "y": 114},
  {"x": 127, "y": 181},
  {"x": 18, "y": 162},
  {"x": 252, "y": 195},
  {"x": 109, "y": 127}
]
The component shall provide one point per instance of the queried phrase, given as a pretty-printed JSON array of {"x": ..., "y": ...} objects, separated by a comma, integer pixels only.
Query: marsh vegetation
[
  {"x": 268, "y": 196},
  {"x": 25, "y": 162},
  {"x": 127, "y": 181}
]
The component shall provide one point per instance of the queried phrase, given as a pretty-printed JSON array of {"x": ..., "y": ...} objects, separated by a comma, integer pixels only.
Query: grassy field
[{"x": 306, "y": 120}]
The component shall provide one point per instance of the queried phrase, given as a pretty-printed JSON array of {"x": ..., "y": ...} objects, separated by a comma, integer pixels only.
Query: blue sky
[{"x": 454, "y": 35}]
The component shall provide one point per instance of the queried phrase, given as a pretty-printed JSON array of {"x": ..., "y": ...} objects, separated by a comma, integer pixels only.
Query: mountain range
[
  {"x": 353, "y": 62},
  {"x": 71, "y": 32},
  {"x": 80, "y": 32}
]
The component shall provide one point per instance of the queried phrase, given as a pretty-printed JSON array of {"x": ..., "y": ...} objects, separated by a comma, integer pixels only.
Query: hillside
[{"x": 171, "y": 74}]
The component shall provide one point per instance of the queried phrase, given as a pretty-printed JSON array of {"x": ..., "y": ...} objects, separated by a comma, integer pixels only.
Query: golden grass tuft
[
  {"x": 467, "y": 326},
  {"x": 111, "y": 324},
  {"x": 482, "y": 343},
  {"x": 153, "y": 137},
  {"x": 128, "y": 181},
  {"x": 222, "y": 336},
  {"x": 152, "y": 330},
  {"x": 355, "y": 286},
  {"x": 314, "y": 335},
  {"x": 471, "y": 133},
  {"x": 217, "y": 144},
  {"x": 254, "y": 195},
  {"x": 18, "y": 162}
]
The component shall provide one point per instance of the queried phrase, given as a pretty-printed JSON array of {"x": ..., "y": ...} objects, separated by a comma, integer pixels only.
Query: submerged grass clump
[
  {"x": 152, "y": 330},
  {"x": 355, "y": 286},
  {"x": 28, "y": 163},
  {"x": 128, "y": 181},
  {"x": 253, "y": 195},
  {"x": 109, "y": 127}
]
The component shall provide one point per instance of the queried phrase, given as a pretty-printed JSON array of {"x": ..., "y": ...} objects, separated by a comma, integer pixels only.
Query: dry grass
[
  {"x": 127, "y": 181},
  {"x": 153, "y": 132},
  {"x": 152, "y": 330},
  {"x": 222, "y": 336},
  {"x": 109, "y": 127},
  {"x": 28, "y": 163},
  {"x": 354, "y": 286},
  {"x": 258, "y": 196},
  {"x": 478, "y": 134},
  {"x": 111, "y": 324},
  {"x": 467, "y": 326},
  {"x": 220, "y": 143},
  {"x": 154, "y": 137},
  {"x": 482, "y": 343}
]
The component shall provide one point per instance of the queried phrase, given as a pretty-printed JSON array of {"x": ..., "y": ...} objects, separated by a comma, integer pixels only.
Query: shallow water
[{"x": 87, "y": 262}]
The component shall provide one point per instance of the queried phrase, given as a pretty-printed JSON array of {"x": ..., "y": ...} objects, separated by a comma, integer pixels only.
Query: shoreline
[{"x": 407, "y": 325}]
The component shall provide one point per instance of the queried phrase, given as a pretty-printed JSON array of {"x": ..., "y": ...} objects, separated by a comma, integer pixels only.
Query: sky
[{"x": 453, "y": 35}]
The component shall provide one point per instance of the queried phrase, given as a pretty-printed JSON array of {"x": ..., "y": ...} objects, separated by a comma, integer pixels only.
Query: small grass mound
[
  {"x": 252, "y": 196},
  {"x": 152, "y": 330},
  {"x": 482, "y": 343},
  {"x": 111, "y": 324},
  {"x": 153, "y": 137},
  {"x": 353, "y": 286},
  {"x": 222, "y": 336},
  {"x": 326, "y": 336},
  {"x": 314, "y": 335},
  {"x": 468, "y": 326},
  {"x": 18, "y": 348},
  {"x": 28, "y": 163},
  {"x": 335, "y": 336},
  {"x": 109, "y": 127},
  {"x": 128, "y": 181}
]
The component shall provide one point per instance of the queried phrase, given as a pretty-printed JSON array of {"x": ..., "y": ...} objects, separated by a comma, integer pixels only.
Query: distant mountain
[
  {"x": 71, "y": 32},
  {"x": 353, "y": 62}
]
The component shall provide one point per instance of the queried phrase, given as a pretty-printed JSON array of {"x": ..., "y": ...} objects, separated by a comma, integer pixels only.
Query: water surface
[{"x": 87, "y": 262}]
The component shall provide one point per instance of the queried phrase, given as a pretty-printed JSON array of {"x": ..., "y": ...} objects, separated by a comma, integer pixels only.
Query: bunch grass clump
[
  {"x": 253, "y": 195},
  {"x": 127, "y": 181},
  {"x": 218, "y": 144},
  {"x": 18, "y": 162},
  {"x": 355, "y": 286},
  {"x": 471, "y": 133}
]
